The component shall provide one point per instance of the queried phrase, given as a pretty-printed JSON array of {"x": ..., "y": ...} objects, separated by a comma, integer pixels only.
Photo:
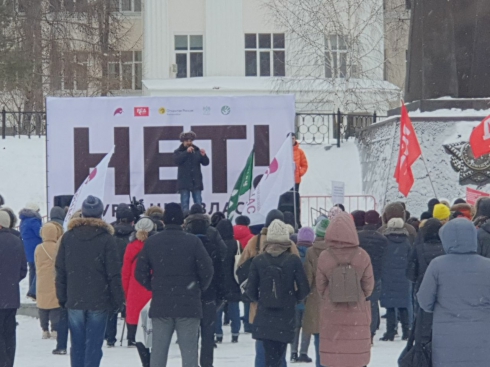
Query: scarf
[{"x": 277, "y": 249}]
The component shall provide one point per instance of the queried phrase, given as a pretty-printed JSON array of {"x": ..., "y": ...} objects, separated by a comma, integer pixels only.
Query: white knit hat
[
  {"x": 277, "y": 232},
  {"x": 4, "y": 219},
  {"x": 145, "y": 224},
  {"x": 396, "y": 223},
  {"x": 33, "y": 206}
]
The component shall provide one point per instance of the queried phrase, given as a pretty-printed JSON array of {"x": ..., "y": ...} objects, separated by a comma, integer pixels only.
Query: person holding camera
[{"x": 189, "y": 159}]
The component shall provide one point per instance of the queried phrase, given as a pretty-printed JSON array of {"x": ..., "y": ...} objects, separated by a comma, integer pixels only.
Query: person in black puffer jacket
[
  {"x": 175, "y": 266},
  {"x": 88, "y": 281},
  {"x": 233, "y": 294},
  {"x": 123, "y": 228},
  {"x": 213, "y": 297},
  {"x": 277, "y": 292},
  {"x": 374, "y": 243},
  {"x": 482, "y": 222}
]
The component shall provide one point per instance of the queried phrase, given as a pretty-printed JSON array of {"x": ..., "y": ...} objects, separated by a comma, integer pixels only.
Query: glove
[{"x": 62, "y": 304}]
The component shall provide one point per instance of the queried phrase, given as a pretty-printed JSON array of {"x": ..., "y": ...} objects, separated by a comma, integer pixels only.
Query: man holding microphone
[{"x": 189, "y": 159}]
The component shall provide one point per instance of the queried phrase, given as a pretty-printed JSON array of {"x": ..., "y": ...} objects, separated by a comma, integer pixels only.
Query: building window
[
  {"x": 125, "y": 70},
  {"x": 189, "y": 56},
  {"x": 128, "y": 5},
  {"x": 265, "y": 54},
  {"x": 338, "y": 58}
]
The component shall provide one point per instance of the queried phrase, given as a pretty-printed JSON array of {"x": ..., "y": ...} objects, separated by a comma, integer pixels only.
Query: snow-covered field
[{"x": 32, "y": 351}]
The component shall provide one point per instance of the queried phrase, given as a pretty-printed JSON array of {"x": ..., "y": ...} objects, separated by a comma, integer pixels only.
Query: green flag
[{"x": 242, "y": 186}]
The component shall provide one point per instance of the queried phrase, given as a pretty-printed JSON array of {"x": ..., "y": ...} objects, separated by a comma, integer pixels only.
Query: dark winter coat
[
  {"x": 484, "y": 239},
  {"x": 175, "y": 266},
  {"x": 456, "y": 288},
  {"x": 57, "y": 214},
  {"x": 199, "y": 225},
  {"x": 122, "y": 234},
  {"x": 277, "y": 324},
  {"x": 374, "y": 243},
  {"x": 88, "y": 272},
  {"x": 189, "y": 176},
  {"x": 395, "y": 286},
  {"x": 396, "y": 210},
  {"x": 302, "y": 249},
  {"x": 424, "y": 252},
  {"x": 30, "y": 229},
  {"x": 13, "y": 268},
  {"x": 232, "y": 289}
]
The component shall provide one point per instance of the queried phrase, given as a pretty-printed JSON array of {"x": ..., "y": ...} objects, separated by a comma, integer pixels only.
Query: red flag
[
  {"x": 409, "y": 152},
  {"x": 480, "y": 138}
]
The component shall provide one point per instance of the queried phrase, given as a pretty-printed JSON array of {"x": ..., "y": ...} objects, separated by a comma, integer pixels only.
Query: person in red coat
[
  {"x": 242, "y": 231},
  {"x": 137, "y": 296}
]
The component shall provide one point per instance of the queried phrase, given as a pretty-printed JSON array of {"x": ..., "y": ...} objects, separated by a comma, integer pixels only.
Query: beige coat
[
  {"x": 249, "y": 252},
  {"x": 45, "y": 258},
  {"x": 311, "y": 318}
]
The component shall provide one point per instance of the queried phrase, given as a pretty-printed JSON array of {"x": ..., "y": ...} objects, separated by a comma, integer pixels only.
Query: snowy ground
[{"x": 32, "y": 351}]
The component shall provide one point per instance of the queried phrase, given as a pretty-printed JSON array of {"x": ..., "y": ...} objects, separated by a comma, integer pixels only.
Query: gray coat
[{"x": 456, "y": 288}]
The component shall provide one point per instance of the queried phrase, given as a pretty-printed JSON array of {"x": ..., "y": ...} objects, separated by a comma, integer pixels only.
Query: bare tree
[{"x": 335, "y": 54}]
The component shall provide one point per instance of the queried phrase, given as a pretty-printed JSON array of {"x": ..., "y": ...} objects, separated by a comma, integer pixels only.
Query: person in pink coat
[
  {"x": 345, "y": 335},
  {"x": 137, "y": 296}
]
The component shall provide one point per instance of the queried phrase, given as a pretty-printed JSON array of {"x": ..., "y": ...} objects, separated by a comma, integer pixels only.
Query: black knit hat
[
  {"x": 372, "y": 217},
  {"x": 459, "y": 201},
  {"x": 425, "y": 215},
  {"x": 242, "y": 220},
  {"x": 197, "y": 209},
  {"x": 173, "y": 214},
  {"x": 124, "y": 211},
  {"x": 189, "y": 135},
  {"x": 272, "y": 215},
  {"x": 216, "y": 218},
  {"x": 431, "y": 204},
  {"x": 92, "y": 207},
  {"x": 359, "y": 218}
]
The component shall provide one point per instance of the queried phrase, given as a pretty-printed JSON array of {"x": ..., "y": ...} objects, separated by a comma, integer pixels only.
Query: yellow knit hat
[{"x": 441, "y": 212}]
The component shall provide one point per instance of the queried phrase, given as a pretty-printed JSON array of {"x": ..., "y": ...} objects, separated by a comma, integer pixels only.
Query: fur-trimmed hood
[
  {"x": 13, "y": 217},
  {"x": 197, "y": 223},
  {"x": 90, "y": 222},
  {"x": 28, "y": 213},
  {"x": 466, "y": 209}
]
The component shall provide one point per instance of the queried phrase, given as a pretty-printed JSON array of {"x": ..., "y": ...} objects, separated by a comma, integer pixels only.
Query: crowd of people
[{"x": 324, "y": 283}]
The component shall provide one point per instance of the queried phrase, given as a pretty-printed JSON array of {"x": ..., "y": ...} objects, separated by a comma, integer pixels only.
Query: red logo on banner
[
  {"x": 141, "y": 111},
  {"x": 409, "y": 152},
  {"x": 473, "y": 195}
]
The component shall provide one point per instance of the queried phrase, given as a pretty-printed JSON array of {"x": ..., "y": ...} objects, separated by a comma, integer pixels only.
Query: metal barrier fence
[
  {"x": 330, "y": 128},
  {"x": 23, "y": 123},
  {"x": 314, "y": 206},
  {"x": 311, "y": 128}
]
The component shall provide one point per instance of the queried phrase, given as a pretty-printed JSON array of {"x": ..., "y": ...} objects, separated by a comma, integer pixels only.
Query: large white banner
[{"x": 145, "y": 132}]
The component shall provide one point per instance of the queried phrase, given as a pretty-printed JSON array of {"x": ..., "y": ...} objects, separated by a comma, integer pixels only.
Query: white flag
[
  {"x": 93, "y": 185},
  {"x": 278, "y": 179}
]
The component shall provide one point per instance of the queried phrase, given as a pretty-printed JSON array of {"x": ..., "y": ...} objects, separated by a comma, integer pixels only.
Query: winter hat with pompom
[
  {"x": 278, "y": 232},
  {"x": 92, "y": 207},
  {"x": 321, "y": 227},
  {"x": 441, "y": 212},
  {"x": 306, "y": 234},
  {"x": 33, "y": 206},
  {"x": 145, "y": 224},
  {"x": 290, "y": 229},
  {"x": 4, "y": 219}
]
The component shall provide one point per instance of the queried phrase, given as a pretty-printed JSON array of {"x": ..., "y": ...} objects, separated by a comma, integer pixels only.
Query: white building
[{"x": 234, "y": 47}]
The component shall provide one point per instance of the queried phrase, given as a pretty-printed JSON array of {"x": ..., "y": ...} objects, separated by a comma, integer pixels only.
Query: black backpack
[{"x": 272, "y": 288}]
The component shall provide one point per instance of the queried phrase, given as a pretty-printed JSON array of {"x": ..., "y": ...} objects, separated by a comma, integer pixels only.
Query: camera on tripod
[{"x": 137, "y": 207}]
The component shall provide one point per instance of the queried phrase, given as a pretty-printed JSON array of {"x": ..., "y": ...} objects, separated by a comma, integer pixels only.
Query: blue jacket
[
  {"x": 30, "y": 229},
  {"x": 456, "y": 288},
  {"x": 395, "y": 286}
]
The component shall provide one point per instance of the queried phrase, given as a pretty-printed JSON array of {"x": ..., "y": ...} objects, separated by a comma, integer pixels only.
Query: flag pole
[{"x": 428, "y": 175}]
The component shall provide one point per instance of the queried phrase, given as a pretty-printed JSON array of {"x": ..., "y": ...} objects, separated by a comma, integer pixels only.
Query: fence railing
[
  {"x": 314, "y": 206},
  {"x": 311, "y": 128},
  {"x": 28, "y": 123}
]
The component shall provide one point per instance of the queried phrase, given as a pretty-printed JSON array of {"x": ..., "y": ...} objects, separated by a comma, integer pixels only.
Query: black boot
[
  {"x": 304, "y": 358},
  {"x": 234, "y": 338},
  {"x": 387, "y": 337},
  {"x": 219, "y": 340},
  {"x": 294, "y": 357}
]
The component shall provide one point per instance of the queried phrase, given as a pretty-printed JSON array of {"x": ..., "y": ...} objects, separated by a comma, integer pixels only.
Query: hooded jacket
[
  {"x": 242, "y": 234},
  {"x": 57, "y": 214},
  {"x": 45, "y": 258},
  {"x": 396, "y": 210},
  {"x": 374, "y": 243},
  {"x": 30, "y": 229},
  {"x": 88, "y": 272},
  {"x": 484, "y": 239},
  {"x": 122, "y": 234},
  {"x": 345, "y": 329},
  {"x": 456, "y": 288},
  {"x": 13, "y": 268}
]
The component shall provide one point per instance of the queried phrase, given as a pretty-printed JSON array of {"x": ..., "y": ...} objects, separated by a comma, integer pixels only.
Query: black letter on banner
[
  {"x": 84, "y": 160},
  {"x": 262, "y": 150},
  {"x": 114, "y": 209},
  {"x": 204, "y": 207},
  {"x": 225, "y": 209},
  {"x": 219, "y": 136},
  {"x": 154, "y": 159},
  {"x": 105, "y": 210},
  {"x": 238, "y": 206},
  {"x": 212, "y": 206}
]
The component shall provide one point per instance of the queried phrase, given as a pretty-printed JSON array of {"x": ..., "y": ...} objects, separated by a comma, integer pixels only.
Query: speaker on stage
[
  {"x": 62, "y": 200},
  {"x": 286, "y": 204}
]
